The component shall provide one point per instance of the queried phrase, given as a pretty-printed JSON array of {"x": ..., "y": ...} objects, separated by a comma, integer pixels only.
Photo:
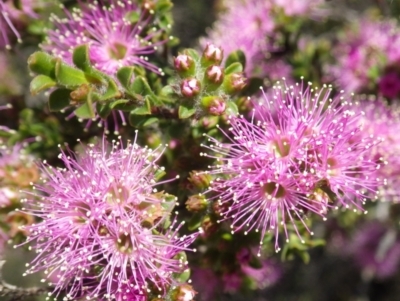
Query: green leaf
[
  {"x": 103, "y": 109},
  {"x": 185, "y": 112},
  {"x": 42, "y": 63},
  {"x": 141, "y": 86},
  {"x": 41, "y": 82},
  {"x": 59, "y": 99},
  {"x": 111, "y": 92},
  {"x": 233, "y": 68},
  {"x": 132, "y": 16},
  {"x": 232, "y": 108},
  {"x": 163, "y": 6},
  {"x": 125, "y": 76},
  {"x": 194, "y": 54},
  {"x": 158, "y": 175},
  {"x": 68, "y": 76},
  {"x": 167, "y": 95},
  {"x": 86, "y": 111},
  {"x": 145, "y": 109},
  {"x": 123, "y": 105},
  {"x": 237, "y": 56},
  {"x": 80, "y": 57},
  {"x": 141, "y": 121},
  {"x": 182, "y": 277},
  {"x": 195, "y": 221}
]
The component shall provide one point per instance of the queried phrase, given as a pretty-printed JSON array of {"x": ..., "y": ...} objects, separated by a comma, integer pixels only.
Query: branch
[{"x": 18, "y": 293}]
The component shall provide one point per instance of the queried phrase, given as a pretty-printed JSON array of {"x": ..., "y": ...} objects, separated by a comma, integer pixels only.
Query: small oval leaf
[
  {"x": 59, "y": 99},
  {"x": 41, "y": 82}
]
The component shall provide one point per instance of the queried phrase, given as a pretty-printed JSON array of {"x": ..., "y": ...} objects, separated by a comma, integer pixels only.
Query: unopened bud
[
  {"x": 220, "y": 208},
  {"x": 212, "y": 55},
  {"x": 199, "y": 180},
  {"x": 183, "y": 292},
  {"x": 214, "y": 105},
  {"x": 184, "y": 65},
  {"x": 190, "y": 87},
  {"x": 208, "y": 226},
  {"x": 214, "y": 74},
  {"x": 234, "y": 83},
  {"x": 196, "y": 203},
  {"x": 209, "y": 121}
]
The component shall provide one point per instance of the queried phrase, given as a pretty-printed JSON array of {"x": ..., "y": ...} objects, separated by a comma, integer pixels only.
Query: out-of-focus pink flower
[
  {"x": 383, "y": 120},
  {"x": 376, "y": 248},
  {"x": 246, "y": 26},
  {"x": 389, "y": 84},
  {"x": 363, "y": 53}
]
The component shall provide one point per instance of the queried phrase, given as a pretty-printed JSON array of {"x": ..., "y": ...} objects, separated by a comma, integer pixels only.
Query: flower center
[
  {"x": 274, "y": 189},
  {"x": 117, "y": 51},
  {"x": 282, "y": 146},
  {"x": 124, "y": 244},
  {"x": 117, "y": 194}
]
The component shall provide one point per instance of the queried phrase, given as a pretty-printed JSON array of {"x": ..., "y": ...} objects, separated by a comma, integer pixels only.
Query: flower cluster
[
  {"x": 367, "y": 56},
  {"x": 302, "y": 152},
  {"x": 376, "y": 248},
  {"x": 383, "y": 120},
  {"x": 300, "y": 8},
  {"x": 118, "y": 35},
  {"x": 105, "y": 231},
  {"x": 206, "y": 85},
  {"x": 251, "y": 26}
]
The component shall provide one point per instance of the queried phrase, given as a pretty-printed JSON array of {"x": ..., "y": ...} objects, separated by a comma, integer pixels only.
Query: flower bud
[
  {"x": 196, "y": 203},
  {"x": 209, "y": 226},
  {"x": 214, "y": 105},
  {"x": 234, "y": 83},
  {"x": 190, "y": 87},
  {"x": 209, "y": 122},
  {"x": 184, "y": 65},
  {"x": 199, "y": 180},
  {"x": 214, "y": 75},
  {"x": 183, "y": 292},
  {"x": 212, "y": 55}
]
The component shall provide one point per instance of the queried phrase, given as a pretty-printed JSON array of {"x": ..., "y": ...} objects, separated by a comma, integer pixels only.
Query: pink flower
[
  {"x": 383, "y": 120},
  {"x": 300, "y": 8},
  {"x": 302, "y": 154},
  {"x": 376, "y": 248},
  {"x": 364, "y": 51},
  {"x": 104, "y": 225},
  {"x": 389, "y": 85},
  {"x": 114, "y": 39},
  {"x": 246, "y": 26}
]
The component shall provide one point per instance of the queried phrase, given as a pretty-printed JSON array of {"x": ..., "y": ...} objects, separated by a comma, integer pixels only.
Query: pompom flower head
[
  {"x": 116, "y": 37},
  {"x": 105, "y": 231},
  {"x": 381, "y": 119},
  {"x": 368, "y": 54},
  {"x": 300, "y": 153},
  {"x": 376, "y": 248}
]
